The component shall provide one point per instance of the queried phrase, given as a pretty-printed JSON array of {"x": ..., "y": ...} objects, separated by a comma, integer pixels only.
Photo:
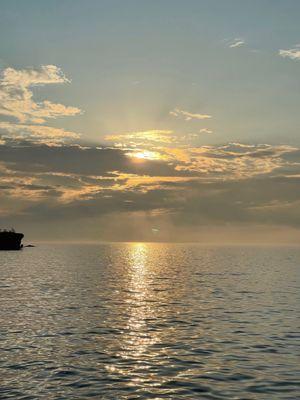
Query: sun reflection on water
[
  {"x": 141, "y": 305},
  {"x": 138, "y": 257},
  {"x": 137, "y": 347}
]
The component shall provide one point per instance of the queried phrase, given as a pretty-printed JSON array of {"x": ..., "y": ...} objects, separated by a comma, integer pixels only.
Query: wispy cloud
[
  {"x": 16, "y": 96},
  {"x": 142, "y": 137},
  {"x": 188, "y": 116},
  {"x": 238, "y": 42},
  {"x": 155, "y": 141},
  {"x": 25, "y": 116},
  {"x": 206, "y": 130},
  {"x": 293, "y": 53},
  {"x": 46, "y": 134}
]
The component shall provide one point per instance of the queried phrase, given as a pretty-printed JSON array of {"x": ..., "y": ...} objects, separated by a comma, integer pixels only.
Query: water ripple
[{"x": 149, "y": 321}]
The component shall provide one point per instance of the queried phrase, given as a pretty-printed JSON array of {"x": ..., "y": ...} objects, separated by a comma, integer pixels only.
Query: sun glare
[{"x": 146, "y": 155}]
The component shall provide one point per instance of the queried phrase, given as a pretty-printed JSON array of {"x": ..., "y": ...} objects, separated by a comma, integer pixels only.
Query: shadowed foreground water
[{"x": 143, "y": 321}]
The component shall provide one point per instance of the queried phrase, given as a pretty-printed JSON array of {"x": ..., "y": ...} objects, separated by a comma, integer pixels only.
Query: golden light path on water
[
  {"x": 158, "y": 315},
  {"x": 141, "y": 308}
]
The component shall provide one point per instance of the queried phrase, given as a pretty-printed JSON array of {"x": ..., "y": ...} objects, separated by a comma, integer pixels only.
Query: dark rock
[{"x": 10, "y": 240}]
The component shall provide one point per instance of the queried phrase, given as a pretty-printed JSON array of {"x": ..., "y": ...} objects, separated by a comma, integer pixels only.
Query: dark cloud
[
  {"x": 257, "y": 200},
  {"x": 60, "y": 187},
  {"x": 74, "y": 159}
]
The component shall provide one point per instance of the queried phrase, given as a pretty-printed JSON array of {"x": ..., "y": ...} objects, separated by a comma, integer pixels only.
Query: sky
[{"x": 150, "y": 120}]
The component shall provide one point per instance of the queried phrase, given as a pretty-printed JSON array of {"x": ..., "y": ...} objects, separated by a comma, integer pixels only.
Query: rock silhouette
[{"x": 10, "y": 240}]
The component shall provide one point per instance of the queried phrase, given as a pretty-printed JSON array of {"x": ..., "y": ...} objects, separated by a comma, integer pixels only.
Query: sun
[{"x": 146, "y": 155}]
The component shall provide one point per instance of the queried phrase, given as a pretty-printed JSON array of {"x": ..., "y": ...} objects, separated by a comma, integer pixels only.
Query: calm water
[{"x": 149, "y": 321}]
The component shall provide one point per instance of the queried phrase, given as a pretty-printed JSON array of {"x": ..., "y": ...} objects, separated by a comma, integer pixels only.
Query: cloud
[
  {"x": 47, "y": 74},
  {"x": 156, "y": 144},
  {"x": 139, "y": 138},
  {"x": 115, "y": 167},
  {"x": 188, "y": 116},
  {"x": 206, "y": 130},
  {"x": 22, "y": 116},
  {"x": 236, "y": 43},
  {"x": 233, "y": 183},
  {"x": 293, "y": 53},
  {"x": 16, "y": 96},
  {"x": 231, "y": 161},
  {"x": 74, "y": 159},
  {"x": 40, "y": 133}
]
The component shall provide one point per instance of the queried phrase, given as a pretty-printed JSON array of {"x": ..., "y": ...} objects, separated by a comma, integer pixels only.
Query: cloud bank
[{"x": 204, "y": 186}]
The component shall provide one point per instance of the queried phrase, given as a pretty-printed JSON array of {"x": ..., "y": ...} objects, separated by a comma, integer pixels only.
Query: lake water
[{"x": 149, "y": 321}]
